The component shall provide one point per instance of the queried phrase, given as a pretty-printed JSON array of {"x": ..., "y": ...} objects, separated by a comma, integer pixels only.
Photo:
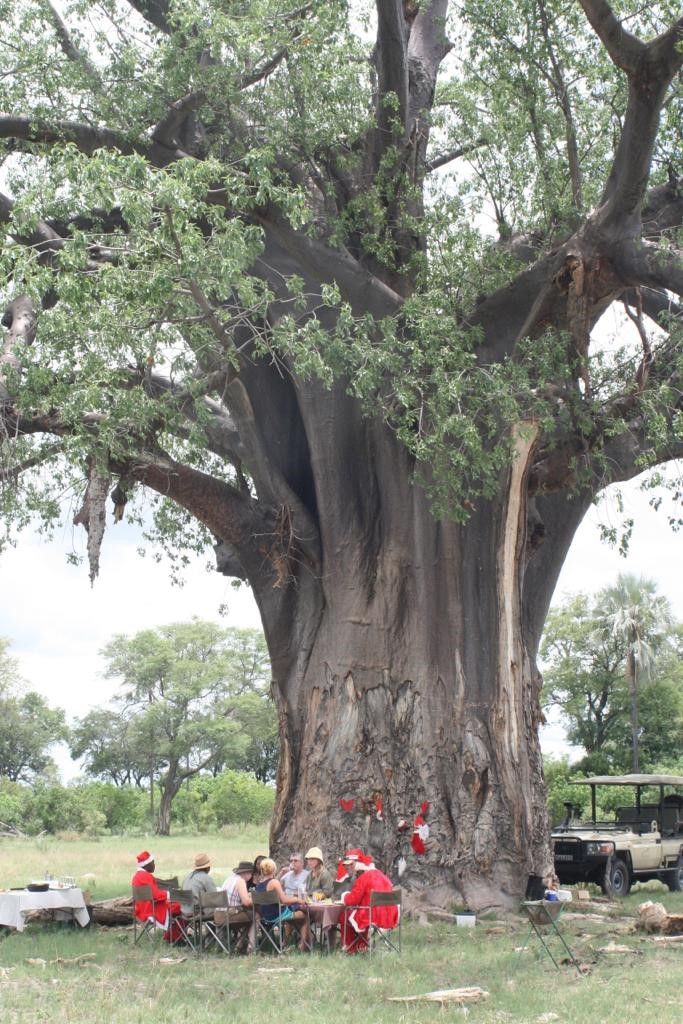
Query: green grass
[
  {"x": 129, "y": 984},
  {"x": 112, "y": 860}
]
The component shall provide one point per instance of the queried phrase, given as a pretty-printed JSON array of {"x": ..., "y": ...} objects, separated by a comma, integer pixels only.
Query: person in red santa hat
[
  {"x": 344, "y": 880},
  {"x": 355, "y": 922},
  {"x": 160, "y": 909}
]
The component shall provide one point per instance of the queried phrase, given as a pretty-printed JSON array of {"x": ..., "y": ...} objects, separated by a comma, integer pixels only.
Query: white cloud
[{"x": 57, "y": 623}]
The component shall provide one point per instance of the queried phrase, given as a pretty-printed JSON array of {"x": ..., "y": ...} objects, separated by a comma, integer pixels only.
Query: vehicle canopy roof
[{"x": 630, "y": 780}]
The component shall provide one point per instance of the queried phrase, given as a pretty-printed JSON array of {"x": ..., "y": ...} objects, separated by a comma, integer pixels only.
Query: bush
[
  {"x": 558, "y": 772},
  {"x": 15, "y": 804},
  {"x": 237, "y": 798},
  {"x": 124, "y": 808}
]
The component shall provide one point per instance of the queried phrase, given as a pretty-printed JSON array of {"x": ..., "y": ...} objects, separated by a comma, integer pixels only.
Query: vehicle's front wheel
[
  {"x": 618, "y": 879},
  {"x": 674, "y": 879}
]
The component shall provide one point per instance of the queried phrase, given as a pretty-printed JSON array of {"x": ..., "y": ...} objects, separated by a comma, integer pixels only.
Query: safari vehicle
[{"x": 644, "y": 841}]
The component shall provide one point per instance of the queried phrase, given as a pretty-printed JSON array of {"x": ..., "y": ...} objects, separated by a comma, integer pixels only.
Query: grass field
[{"x": 130, "y": 984}]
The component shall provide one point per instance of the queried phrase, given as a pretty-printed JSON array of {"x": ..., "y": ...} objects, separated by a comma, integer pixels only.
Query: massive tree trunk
[{"x": 412, "y": 678}]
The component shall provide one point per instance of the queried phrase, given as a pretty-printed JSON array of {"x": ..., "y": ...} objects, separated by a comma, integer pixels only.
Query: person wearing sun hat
[
  {"x": 239, "y": 906},
  {"x": 319, "y": 878},
  {"x": 198, "y": 881},
  {"x": 159, "y": 909},
  {"x": 355, "y": 922}
]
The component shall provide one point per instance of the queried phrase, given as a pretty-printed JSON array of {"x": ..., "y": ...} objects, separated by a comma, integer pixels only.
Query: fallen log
[
  {"x": 444, "y": 995},
  {"x": 652, "y": 917},
  {"x": 11, "y": 831},
  {"x": 113, "y": 913}
]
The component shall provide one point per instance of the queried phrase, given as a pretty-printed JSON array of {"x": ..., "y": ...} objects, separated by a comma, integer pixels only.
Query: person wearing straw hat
[
  {"x": 160, "y": 909},
  {"x": 319, "y": 886},
  {"x": 319, "y": 878},
  {"x": 198, "y": 881}
]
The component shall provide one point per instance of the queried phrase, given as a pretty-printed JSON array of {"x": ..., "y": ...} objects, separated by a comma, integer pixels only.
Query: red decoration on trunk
[
  {"x": 420, "y": 833},
  {"x": 424, "y": 807},
  {"x": 379, "y": 807},
  {"x": 347, "y": 805}
]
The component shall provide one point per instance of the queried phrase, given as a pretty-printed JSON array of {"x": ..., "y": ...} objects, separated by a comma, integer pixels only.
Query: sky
[{"x": 57, "y": 623}]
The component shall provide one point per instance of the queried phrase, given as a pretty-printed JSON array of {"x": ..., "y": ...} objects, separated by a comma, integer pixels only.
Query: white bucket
[{"x": 465, "y": 920}]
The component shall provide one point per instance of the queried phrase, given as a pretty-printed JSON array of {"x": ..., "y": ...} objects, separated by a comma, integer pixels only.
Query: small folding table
[{"x": 544, "y": 918}]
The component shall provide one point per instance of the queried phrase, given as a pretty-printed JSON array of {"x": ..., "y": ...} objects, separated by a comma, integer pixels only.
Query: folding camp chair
[
  {"x": 187, "y": 924},
  {"x": 269, "y": 933},
  {"x": 212, "y": 921},
  {"x": 142, "y": 894},
  {"x": 544, "y": 917},
  {"x": 167, "y": 883},
  {"x": 391, "y": 937}
]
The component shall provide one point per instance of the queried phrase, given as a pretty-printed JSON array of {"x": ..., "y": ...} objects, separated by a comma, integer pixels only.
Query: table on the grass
[
  {"x": 325, "y": 915},
  {"x": 15, "y": 905}
]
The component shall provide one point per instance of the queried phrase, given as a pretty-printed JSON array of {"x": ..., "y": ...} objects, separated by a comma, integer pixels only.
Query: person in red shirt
[
  {"x": 161, "y": 909},
  {"x": 355, "y": 922}
]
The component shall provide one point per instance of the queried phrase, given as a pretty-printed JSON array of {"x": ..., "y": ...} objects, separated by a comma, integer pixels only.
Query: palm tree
[{"x": 640, "y": 618}]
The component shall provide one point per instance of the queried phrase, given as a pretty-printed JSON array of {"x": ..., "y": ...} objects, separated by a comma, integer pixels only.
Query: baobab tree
[{"x": 249, "y": 271}]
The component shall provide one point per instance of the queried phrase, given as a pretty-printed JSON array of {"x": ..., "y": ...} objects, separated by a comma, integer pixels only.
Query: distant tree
[
  {"x": 583, "y": 674},
  {"x": 112, "y": 748},
  {"x": 638, "y": 616},
  {"x": 252, "y": 705},
  {"x": 660, "y": 714},
  {"x": 193, "y": 698},
  {"x": 584, "y": 657},
  {"x": 28, "y": 725}
]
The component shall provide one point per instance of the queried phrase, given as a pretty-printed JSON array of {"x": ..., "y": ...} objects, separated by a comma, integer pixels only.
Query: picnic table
[{"x": 17, "y": 903}]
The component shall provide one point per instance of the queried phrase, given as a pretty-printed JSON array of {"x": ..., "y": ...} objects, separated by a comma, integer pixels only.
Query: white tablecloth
[{"x": 13, "y": 905}]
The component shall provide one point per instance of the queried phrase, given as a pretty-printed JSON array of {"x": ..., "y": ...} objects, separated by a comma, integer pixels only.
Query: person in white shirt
[
  {"x": 239, "y": 906},
  {"x": 294, "y": 880}
]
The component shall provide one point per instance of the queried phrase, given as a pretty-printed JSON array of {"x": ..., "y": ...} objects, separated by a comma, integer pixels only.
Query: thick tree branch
[
  {"x": 624, "y": 49},
  {"x": 252, "y": 529},
  {"x": 391, "y": 63},
  {"x": 289, "y": 249},
  {"x": 20, "y": 320},
  {"x": 43, "y": 238},
  {"x": 69, "y": 47},
  {"x": 155, "y": 12},
  {"x": 656, "y": 302},
  {"x": 650, "y": 69},
  {"x": 266, "y": 68},
  {"x": 650, "y": 266},
  {"x": 454, "y": 154},
  {"x": 166, "y": 131},
  {"x": 87, "y": 138},
  {"x": 191, "y": 400},
  {"x": 11, "y": 473},
  {"x": 663, "y": 209},
  {"x": 427, "y": 47},
  {"x": 604, "y": 458}
]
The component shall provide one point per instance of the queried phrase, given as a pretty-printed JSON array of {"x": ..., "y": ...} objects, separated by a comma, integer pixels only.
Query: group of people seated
[{"x": 303, "y": 879}]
